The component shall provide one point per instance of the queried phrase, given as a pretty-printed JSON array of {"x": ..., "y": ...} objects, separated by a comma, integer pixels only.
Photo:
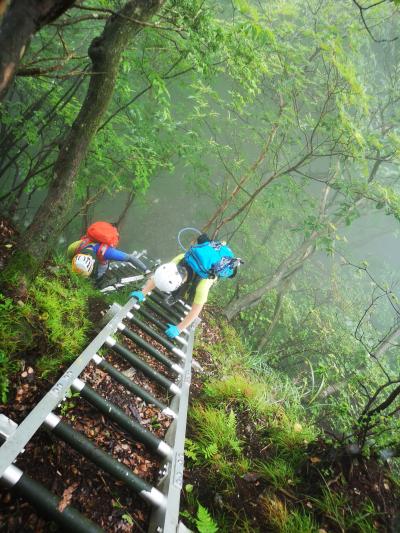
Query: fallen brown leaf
[{"x": 67, "y": 497}]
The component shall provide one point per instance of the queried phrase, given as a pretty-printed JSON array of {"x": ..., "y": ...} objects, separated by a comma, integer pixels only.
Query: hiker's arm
[
  {"x": 193, "y": 313},
  {"x": 148, "y": 286},
  {"x": 140, "y": 294},
  {"x": 113, "y": 254}
]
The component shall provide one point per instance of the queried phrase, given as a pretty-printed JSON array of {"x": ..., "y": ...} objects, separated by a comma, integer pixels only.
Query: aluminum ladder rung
[
  {"x": 148, "y": 348},
  {"x": 150, "y": 331},
  {"x": 161, "y": 313},
  {"x": 131, "y": 386},
  {"x": 105, "y": 461},
  {"x": 47, "y": 503},
  {"x": 168, "y": 309},
  {"x": 135, "y": 361},
  {"x": 156, "y": 322},
  {"x": 110, "y": 410}
]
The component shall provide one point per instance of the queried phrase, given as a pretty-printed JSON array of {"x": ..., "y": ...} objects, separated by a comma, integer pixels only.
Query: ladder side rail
[
  {"x": 167, "y": 519},
  {"x": 13, "y": 446}
]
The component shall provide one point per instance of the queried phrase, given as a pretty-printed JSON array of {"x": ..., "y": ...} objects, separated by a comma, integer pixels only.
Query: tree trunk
[
  {"x": 291, "y": 264},
  {"x": 22, "y": 19},
  {"x": 129, "y": 201},
  {"x": 105, "y": 53},
  {"x": 277, "y": 312}
]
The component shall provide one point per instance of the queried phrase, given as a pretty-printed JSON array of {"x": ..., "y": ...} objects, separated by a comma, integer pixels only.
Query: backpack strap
[
  {"x": 84, "y": 242},
  {"x": 188, "y": 288},
  {"x": 101, "y": 252}
]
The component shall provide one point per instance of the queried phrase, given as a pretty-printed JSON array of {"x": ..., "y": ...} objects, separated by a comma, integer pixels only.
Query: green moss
[
  {"x": 50, "y": 319},
  {"x": 62, "y": 308},
  {"x": 20, "y": 269},
  {"x": 16, "y": 325}
]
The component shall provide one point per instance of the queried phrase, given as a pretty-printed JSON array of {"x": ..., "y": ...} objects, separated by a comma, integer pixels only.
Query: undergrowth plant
[
  {"x": 277, "y": 471},
  {"x": 203, "y": 521},
  {"x": 339, "y": 511},
  {"x": 7, "y": 367},
  {"x": 270, "y": 407},
  {"x": 16, "y": 320},
  {"x": 63, "y": 313},
  {"x": 217, "y": 444},
  {"x": 50, "y": 321},
  {"x": 283, "y": 520},
  {"x": 235, "y": 387}
]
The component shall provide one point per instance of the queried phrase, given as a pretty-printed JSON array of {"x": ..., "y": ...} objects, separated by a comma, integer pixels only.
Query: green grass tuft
[
  {"x": 7, "y": 367},
  {"x": 279, "y": 472},
  {"x": 299, "y": 522},
  {"x": 235, "y": 387}
]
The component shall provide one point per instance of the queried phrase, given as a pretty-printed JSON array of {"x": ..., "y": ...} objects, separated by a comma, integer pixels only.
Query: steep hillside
[{"x": 257, "y": 462}]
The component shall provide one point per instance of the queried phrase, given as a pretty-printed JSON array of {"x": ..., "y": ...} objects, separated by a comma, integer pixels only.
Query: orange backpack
[{"x": 102, "y": 232}]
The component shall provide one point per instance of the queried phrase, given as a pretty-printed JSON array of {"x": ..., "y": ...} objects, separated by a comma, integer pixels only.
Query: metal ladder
[{"x": 164, "y": 498}]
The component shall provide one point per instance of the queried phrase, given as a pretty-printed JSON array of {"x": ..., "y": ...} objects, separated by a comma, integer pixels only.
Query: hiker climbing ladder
[
  {"x": 164, "y": 498},
  {"x": 121, "y": 273}
]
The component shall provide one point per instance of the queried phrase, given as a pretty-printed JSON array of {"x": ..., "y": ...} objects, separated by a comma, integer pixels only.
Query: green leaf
[
  {"x": 127, "y": 517},
  {"x": 204, "y": 521}
]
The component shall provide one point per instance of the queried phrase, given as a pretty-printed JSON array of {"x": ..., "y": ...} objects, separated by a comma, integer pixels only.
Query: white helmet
[
  {"x": 83, "y": 264},
  {"x": 167, "y": 277}
]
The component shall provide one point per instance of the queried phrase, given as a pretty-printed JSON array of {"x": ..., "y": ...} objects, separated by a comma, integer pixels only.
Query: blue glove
[
  {"x": 172, "y": 331},
  {"x": 138, "y": 295}
]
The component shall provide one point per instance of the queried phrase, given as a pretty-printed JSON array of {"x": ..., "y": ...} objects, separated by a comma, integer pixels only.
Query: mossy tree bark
[
  {"x": 21, "y": 20},
  {"x": 105, "y": 53}
]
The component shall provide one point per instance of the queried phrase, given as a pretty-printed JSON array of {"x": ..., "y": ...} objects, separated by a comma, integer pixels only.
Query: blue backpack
[{"x": 211, "y": 259}]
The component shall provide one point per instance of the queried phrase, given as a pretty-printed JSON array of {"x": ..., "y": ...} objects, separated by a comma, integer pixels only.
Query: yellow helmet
[{"x": 83, "y": 264}]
